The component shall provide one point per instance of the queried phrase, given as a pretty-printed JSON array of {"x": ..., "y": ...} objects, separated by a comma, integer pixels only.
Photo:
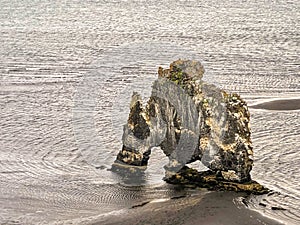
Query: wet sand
[
  {"x": 282, "y": 104},
  {"x": 214, "y": 208}
]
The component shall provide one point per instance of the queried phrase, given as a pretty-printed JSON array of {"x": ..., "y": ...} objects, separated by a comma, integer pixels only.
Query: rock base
[{"x": 208, "y": 179}]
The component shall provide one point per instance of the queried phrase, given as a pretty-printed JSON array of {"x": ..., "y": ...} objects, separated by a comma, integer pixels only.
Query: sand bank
[
  {"x": 282, "y": 104},
  {"x": 214, "y": 208}
]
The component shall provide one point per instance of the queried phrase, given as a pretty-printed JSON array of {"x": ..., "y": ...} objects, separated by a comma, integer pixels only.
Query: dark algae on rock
[
  {"x": 192, "y": 120},
  {"x": 208, "y": 179}
]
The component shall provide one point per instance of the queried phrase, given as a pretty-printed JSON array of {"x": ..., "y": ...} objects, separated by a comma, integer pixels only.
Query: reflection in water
[{"x": 130, "y": 175}]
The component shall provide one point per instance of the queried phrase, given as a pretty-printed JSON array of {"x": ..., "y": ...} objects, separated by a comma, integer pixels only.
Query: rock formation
[{"x": 190, "y": 120}]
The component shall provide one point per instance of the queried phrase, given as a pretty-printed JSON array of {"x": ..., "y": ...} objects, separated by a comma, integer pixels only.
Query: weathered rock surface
[
  {"x": 190, "y": 120},
  {"x": 212, "y": 181}
]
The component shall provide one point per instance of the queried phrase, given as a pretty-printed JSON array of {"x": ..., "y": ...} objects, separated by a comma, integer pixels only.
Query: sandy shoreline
[
  {"x": 214, "y": 208},
  {"x": 279, "y": 104}
]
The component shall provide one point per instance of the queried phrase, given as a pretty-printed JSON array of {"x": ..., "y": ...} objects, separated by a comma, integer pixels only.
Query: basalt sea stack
[{"x": 191, "y": 120}]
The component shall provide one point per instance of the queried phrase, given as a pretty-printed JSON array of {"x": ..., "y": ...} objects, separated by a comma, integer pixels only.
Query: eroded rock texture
[{"x": 190, "y": 120}]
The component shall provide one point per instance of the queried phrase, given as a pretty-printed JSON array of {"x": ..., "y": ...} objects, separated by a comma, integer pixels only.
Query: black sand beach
[{"x": 214, "y": 208}]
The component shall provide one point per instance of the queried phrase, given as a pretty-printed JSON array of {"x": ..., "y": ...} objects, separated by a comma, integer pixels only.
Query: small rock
[
  {"x": 277, "y": 208},
  {"x": 262, "y": 204}
]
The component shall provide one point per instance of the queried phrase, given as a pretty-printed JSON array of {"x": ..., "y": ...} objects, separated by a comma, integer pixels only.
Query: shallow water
[{"x": 68, "y": 69}]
